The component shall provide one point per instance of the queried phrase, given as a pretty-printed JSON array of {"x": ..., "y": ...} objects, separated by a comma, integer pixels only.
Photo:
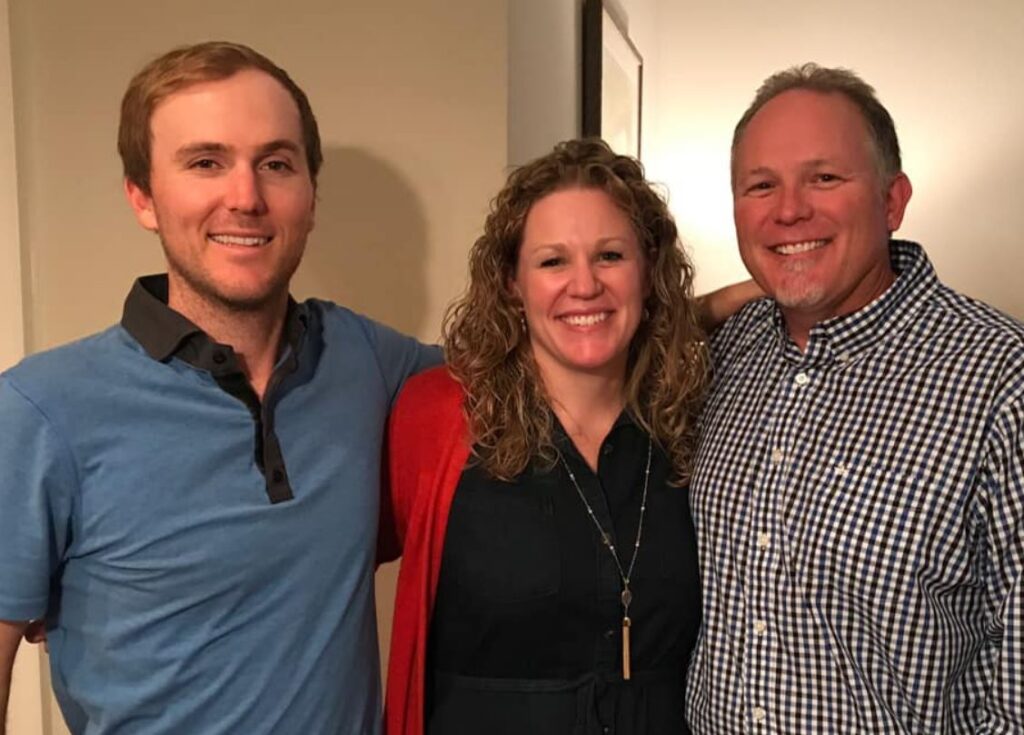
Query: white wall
[{"x": 951, "y": 73}]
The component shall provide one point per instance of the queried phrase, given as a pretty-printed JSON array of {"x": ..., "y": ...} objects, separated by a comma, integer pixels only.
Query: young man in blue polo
[{"x": 190, "y": 497}]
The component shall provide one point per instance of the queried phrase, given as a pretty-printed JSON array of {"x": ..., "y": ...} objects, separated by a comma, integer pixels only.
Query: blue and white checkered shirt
[{"x": 860, "y": 515}]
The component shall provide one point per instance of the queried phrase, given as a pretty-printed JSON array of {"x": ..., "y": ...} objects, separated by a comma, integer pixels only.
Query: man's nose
[
  {"x": 793, "y": 205},
  {"x": 245, "y": 192}
]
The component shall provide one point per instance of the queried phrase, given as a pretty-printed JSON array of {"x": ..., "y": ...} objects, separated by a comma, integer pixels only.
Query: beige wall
[
  {"x": 951, "y": 74},
  {"x": 411, "y": 97},
  {"x": 12, "y": 340}
]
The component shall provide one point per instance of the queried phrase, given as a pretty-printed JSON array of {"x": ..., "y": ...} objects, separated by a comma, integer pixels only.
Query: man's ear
[
  {"x": 142, "y": 204},
  {"x": 896, "y": 199}
]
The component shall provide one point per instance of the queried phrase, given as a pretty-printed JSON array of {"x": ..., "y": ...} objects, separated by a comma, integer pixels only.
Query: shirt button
[
  {"x": 607, "y": 449},
  {"x": 219, "y": 357},
  {"x": 764, "y": 540},
  {"x": 759, "y": 714},
  {"x": 802, "y": 379},
  {"x": 278, "y": 475},
  {"x": 610, "y": 633},
  {"x": 844, "y": 358},
  {"x": 760, "y": 627},
  {"x": 777, "y": 456}
]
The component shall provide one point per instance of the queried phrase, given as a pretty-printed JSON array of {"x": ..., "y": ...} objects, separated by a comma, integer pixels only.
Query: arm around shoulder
[{"x": 715, "y": 307}]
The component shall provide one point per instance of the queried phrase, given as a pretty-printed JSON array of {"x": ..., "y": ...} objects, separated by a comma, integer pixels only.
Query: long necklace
[{"x": 624, "y": 574}]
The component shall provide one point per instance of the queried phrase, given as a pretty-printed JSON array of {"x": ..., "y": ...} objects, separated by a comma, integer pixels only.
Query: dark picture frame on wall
[{"x": 613, "y": 75}]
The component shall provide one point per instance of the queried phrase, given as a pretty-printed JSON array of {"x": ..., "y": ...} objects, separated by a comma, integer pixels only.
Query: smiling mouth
[
  {"x": 585, "y": 320},
  {"x": 796, "y": 248},
  {"x": 240, "y": 240}
]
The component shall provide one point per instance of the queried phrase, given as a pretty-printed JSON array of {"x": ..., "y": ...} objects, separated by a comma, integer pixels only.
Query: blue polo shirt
[{"x": 204, "y": 559}]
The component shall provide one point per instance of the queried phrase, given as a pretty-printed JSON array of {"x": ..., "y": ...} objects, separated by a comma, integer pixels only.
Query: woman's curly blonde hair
[{"x": 488, "y": 348}]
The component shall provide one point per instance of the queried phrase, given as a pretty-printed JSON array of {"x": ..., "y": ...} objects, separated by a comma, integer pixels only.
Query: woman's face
[{"x": 582, "y": 278}]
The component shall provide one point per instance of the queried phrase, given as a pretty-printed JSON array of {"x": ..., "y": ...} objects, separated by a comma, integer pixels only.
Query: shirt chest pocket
[
  {"x": 503, "y": 548},
  {"x": 860, "y": 531}
]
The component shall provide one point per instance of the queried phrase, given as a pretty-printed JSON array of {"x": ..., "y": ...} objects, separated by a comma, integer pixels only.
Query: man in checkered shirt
[{"x": 859, "y": 491}]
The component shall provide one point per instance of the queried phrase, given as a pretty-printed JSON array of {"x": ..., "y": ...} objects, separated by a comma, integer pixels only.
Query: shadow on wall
[{"x": 369, "y": 246}]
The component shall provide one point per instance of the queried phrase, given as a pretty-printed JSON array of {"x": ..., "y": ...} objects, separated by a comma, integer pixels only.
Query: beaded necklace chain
[{"x": 624, "y": 574}]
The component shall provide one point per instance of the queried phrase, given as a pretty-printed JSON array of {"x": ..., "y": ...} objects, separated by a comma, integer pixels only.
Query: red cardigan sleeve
[{"x": 427, "y": 449}]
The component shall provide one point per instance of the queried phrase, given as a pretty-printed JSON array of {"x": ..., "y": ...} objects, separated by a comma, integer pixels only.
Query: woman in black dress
[{"x": 550, "y": 582}]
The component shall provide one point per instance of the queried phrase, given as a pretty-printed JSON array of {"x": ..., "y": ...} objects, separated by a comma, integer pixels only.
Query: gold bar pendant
[{"x": 626, "y": 623}]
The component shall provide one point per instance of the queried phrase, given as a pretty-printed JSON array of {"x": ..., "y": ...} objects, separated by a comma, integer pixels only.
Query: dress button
[
  {"x": 759, "y": 714},
  {"x": 802, "y": 379}
]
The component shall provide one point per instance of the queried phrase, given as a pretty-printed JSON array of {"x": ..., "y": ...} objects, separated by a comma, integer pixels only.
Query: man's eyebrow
[
  {"x": 282, "y": 144},
  {"x": 758, "y": 171},
  {"x": 209, "y": 147},
  {"x": 194, "y": 149}
]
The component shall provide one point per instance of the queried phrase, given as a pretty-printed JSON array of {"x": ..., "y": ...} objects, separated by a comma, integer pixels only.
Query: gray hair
[{"x": 827, "y": 80}]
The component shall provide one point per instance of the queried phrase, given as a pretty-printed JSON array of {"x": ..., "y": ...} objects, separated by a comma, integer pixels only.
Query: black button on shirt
[{"x": 526, "y": 628}]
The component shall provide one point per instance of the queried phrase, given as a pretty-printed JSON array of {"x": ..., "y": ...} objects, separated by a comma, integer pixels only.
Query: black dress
[{"x": 526, "y": 632}]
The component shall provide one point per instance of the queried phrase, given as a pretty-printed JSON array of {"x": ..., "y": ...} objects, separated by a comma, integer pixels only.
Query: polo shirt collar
[
  {"x": 842, "y": 339},
  {"x": 165, "y": 333}
]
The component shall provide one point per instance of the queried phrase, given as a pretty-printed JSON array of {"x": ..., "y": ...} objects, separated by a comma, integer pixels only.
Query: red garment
[{"x": 427, "y": 449}]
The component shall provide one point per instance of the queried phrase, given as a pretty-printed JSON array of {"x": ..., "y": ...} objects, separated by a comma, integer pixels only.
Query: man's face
[
  {"x": 231, "y": 194},
  {"x": 813, "y": 215}
]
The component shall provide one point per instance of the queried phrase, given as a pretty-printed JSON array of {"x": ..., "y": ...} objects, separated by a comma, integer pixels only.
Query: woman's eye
[
  {"x": 550, "y": 262},
  {"x": 611, "y": 255}
]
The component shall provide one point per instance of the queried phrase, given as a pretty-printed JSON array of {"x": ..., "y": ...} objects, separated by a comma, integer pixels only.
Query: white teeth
[
  {"x": 585, "y": 320},
  {"x": 792, "y": 248},
  {"x": 238, "y": 240}
]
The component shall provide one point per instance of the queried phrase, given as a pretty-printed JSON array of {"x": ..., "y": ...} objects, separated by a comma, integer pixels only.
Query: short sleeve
[
  {"x": 400, "y": 356},
  {"x": 37, "y": 484}
]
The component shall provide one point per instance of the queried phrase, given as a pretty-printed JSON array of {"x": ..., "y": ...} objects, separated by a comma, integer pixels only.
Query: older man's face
[{"x": 813, "y": 215}]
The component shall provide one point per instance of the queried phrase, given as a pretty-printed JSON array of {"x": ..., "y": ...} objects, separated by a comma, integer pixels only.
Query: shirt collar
[
  {"x": 843, "y": 338},
  {"x": 164, "y": 333}
]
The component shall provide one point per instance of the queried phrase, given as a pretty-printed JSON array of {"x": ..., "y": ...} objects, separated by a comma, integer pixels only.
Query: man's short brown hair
[{"x": 183, "y": 67}]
